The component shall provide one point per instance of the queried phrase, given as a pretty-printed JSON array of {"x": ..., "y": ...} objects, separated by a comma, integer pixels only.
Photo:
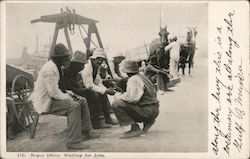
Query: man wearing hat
[
  {"x": 70, "y": 84},
  {"x": 114, "y": 66},
  {"x": 138, "y": 104},
  {"x": 48, "y": 98},
  {"x": 174, "y": 48},
  {"x": 111, "y": 74},
  {"x": 97, "y": 93},
  {"x": 155, "y": 75}
]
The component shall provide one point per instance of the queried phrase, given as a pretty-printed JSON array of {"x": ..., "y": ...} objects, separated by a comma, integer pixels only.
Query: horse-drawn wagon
[{"x": 19, "y": 85}]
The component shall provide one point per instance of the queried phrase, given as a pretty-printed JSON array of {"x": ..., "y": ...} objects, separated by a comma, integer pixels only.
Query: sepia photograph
[
  {"x": 86, "y": 79},
  {"x": 107, "y": 77}
]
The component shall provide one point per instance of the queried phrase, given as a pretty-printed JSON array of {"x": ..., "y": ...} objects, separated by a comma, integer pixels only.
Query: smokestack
[
  {"x": 49, "y": 40},
  {"x": 160, "y": 15},
  {"x": 36, "y": 45}
]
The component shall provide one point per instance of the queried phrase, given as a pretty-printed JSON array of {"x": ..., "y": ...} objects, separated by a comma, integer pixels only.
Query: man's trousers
[
  {"x": 128, "y": 113},
  {"x": 78, "y": 117},
  {"x": 99, "y": 105}
]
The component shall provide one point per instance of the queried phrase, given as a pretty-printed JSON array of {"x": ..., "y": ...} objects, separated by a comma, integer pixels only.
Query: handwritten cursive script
[{"x": 228, "y": 110}]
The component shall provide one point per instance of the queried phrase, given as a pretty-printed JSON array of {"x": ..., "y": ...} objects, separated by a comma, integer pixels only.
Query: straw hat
[{"x": 99, "y": 52}]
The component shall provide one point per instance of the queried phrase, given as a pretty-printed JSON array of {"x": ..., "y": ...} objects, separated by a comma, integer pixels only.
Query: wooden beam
[
  {"x": 97, "y": 35},
  {"x": 68, "y": 39},
  {"x": 57, "y": 27}
]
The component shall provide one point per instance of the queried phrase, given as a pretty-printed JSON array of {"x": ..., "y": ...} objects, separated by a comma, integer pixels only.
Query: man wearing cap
[
  {"x": 174, "y": 48},
  {"x": 48, "y": 98},
  {"x": 97, "y": 93},
  {"x": 71, "y": 77},
  {"x": 114, "y": 67},
  {"x": 111, "y": 74},
  {"x": 138, "y": 104}
]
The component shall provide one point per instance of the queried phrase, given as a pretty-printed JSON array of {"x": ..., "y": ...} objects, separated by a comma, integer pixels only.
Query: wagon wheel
[{"x": 21, "y": 90}]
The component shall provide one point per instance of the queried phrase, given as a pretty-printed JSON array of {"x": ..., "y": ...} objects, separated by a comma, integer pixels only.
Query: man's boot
[
  {"x": 100, "y": 124},
  {"x": 110, "y": 120},
  {"x": 148, "y": 125},
  {"x": 90, "y": 135},
  {"x": 134, "y": 132},
  {"x": 134, "y": 127}
]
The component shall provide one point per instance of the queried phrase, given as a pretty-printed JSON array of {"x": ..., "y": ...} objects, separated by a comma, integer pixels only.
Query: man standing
[
  {"x": 138, "y": 104},
  {"x": 97, "y": 93},
  {"x": 174, "y": 48},
  {"x": 48, "y": 98},
  {"x": 155, "y": 75}
]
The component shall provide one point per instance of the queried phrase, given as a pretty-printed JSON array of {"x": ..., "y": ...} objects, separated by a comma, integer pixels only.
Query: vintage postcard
[{"x": 124, "y": 79}]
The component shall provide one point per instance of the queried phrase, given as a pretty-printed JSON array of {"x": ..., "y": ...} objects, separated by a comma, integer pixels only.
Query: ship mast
[{"x": 37, "y": 42}]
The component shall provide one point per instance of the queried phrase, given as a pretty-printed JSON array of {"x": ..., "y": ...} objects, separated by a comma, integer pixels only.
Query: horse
[
  {"x": 156, "y": 48},
  {"x": 187, "y": 51}
]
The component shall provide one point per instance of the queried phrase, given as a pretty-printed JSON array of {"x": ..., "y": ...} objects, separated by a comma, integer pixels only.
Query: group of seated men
[{"x": 59, "y": 91}]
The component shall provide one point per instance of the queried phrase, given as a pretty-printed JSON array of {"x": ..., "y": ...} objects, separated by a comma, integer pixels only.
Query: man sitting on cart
[
  {"x": 48, "y": 98},
  {"x": 96, "y": 93}
]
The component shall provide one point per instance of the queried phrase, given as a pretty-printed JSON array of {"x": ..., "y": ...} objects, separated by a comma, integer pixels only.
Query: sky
[{"x": 122, "y": 26}]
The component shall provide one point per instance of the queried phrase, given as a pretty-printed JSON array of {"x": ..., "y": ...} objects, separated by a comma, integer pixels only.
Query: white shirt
[
  {"x": 46, "y": 87},
  {"x": 135, "y": 90},
  {"x": 112, "y": 69},
  {"x": 174, "y": 48},
  {"x": 90, "y": 83}
]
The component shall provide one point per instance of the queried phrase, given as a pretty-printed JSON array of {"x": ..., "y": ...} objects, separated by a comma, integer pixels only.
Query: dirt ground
[{"x": 180, "y": 127}]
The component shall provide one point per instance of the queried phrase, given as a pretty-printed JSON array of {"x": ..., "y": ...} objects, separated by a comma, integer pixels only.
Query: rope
[
  {"x": 80, "y": 32},
  {"x": 71, "y": 25},
  {"x": 87, "y": 34}
]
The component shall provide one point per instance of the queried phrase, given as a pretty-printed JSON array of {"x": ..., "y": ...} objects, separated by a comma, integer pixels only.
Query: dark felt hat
[
  {"x": 131, "y": 67},
  {"x": 60, "y": 50},
  {"x": 79, "y": 57}
]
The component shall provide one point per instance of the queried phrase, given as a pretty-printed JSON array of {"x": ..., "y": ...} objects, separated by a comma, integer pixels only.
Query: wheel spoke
[
  {"x": 20, "y": 92},
  {"x": 19, "y": 115},
  {"x": 18, "y": 103},
  {"x": 26, "y": 116}
]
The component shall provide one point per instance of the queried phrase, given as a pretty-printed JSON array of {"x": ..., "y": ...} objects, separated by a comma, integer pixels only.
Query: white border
[{"x": 108, "y": 155}]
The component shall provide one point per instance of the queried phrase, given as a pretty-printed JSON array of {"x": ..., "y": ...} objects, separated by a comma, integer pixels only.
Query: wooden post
[
  {"x": 87, "y": 42},
  {"x": 67, "y": 38},
  {"x": 65, "y": 28},
  {"x": 97, "y": 36},
  {"x": 57, "y": 27}
]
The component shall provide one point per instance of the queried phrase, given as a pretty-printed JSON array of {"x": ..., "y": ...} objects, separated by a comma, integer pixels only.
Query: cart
[{"x": 19, "y": 85}]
